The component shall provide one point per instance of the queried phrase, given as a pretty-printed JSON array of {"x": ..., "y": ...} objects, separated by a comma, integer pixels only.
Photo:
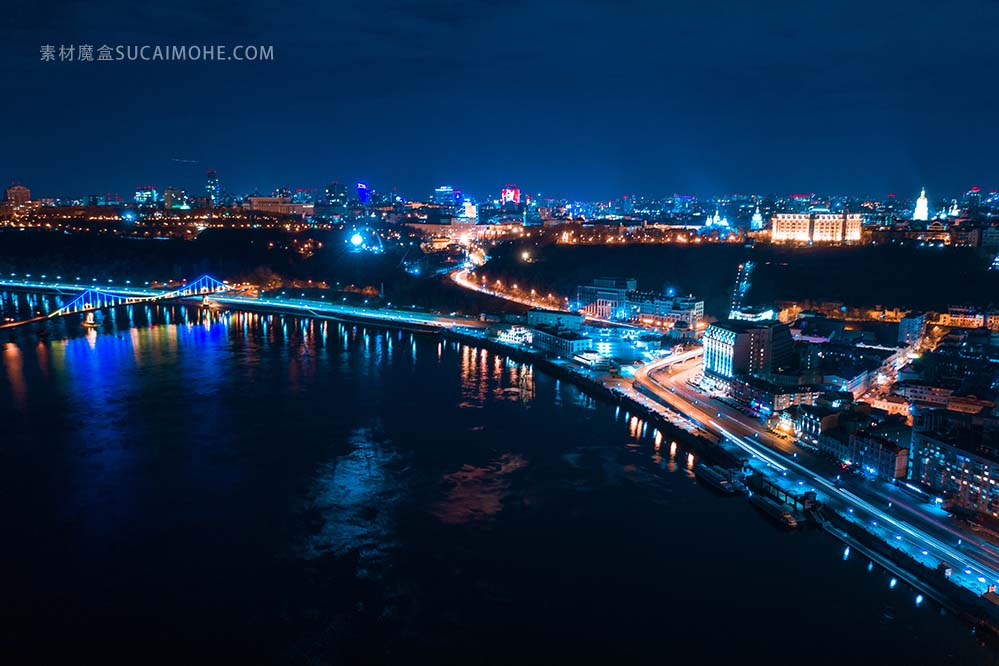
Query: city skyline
[
  {"x": 585, "y": 101},
  {"x": 276, "y": 188}
]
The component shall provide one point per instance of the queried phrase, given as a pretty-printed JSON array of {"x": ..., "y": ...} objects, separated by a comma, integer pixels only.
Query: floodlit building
[
  {"x": 813, "y": 227},
  {"x": 279, "y": 205},
  {"x": 922, "y": 212},
  {"x": 733, "y": 348}
]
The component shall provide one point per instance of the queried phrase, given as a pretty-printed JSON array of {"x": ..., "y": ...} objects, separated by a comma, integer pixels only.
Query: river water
[{"x": 189, "y": 486}]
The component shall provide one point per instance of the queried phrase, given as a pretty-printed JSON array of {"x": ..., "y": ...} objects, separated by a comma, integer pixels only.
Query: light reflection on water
[
  {"x": 354, "y": 494},
  {"x": 234, "y": 456},
  {"x": 477, "y": 492}
]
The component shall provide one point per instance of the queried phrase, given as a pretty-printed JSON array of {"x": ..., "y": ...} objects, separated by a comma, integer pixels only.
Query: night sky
[{"x": 586, "y": 99}]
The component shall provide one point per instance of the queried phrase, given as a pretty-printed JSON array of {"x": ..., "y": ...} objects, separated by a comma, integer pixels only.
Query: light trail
[{"x": 972, "y": 569}]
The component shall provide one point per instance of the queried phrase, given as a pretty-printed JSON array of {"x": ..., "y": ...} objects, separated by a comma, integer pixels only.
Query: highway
[
  {"x": 887, "y": 511},
  {"x": 78, "y": 287},
  {"x": 462, "y": 279}
]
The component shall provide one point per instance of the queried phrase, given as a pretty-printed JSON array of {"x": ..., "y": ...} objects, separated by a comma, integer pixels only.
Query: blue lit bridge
[{"x": 91, "y": 299}]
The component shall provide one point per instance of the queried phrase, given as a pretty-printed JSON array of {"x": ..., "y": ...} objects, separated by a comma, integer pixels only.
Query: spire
[{"x": 922, "y": 212}]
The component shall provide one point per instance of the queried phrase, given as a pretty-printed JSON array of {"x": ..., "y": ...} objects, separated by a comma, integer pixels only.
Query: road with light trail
[{"x": 975, "y": 563}]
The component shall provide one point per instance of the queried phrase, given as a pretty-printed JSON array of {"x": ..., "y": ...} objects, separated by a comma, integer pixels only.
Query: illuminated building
[
  {"x": 878, "y": 455},
  {"x": 174, "y": 198},
  {"x": 336, "y": 195},
  {"x": 757, "y": 222},
  {"x": 922, "y": 212},
  {"x": 146, "y": 195},
  {"x": 957, "y": 457},
  {"x": 303, "y": 196},
  {"x": 716, "y": 221},
  {"x": 18, "y": 195},
  {"x": 559, "y": 340},
  {"x": 973, "y": 199},
  {"x": 627, "y": 204},
  {"x": 444, "y": 195},
  {"x": 769, "y": 398},
  {"x": 363, "y": 193},
  {"x": 510, "y": 194},
  {"x": 734, "y": 348},
  {"x": 651, "y": 308},
  {"x": 813, "y": 227},
  {"x": 752, "y": 314},
  {"x": 605, "y": 297},
  {"x": 212, "y": 192},
  {"x": 961, "y": 316},
  {"x": 912, "y": 329},
  {"x": 279, "y": 205}
]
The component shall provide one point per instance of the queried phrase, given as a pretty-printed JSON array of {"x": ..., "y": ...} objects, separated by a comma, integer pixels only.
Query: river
[{"x": 184, "y": 485}]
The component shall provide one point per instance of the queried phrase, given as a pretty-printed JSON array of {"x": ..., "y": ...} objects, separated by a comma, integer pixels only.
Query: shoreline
[{"x": 973, "y": 609}]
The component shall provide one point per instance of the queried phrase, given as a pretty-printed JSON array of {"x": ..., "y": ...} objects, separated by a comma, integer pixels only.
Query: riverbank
[
  {"x": 974, "y": 609},
  {"x": 701, "y": 446}
]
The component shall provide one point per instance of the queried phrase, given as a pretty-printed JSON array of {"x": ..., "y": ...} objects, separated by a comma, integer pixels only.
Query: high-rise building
[
  {"x": 911, "y": 329},
  {"x": 757, "y": 222},
  {"x": 813, "y": 227},
  {"x": 627, "y": 204},
  {"x": 212, "y": 189},
  {"x": 444, "y": 195},
  {"x": 922, "y": 212},
  {"x": 973, "y": 199},
  {"x": 956, "y": 456},
  {"x": 743, "y": 348},
  {"x": 174, "y": 198},
  {"x": 146, "y": 195},
  {"x": 363, "y": 193},
  {"x": 18, "y": 195},
  {"x": 336, "y": 195},
  {"x": 510, "y": 195}
]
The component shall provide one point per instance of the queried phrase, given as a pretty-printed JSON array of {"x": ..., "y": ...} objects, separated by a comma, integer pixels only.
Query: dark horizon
[{"x": 585, "y": 101}]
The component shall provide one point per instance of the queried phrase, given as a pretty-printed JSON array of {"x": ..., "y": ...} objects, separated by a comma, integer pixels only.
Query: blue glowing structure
[{"x": 98, "y": 298}]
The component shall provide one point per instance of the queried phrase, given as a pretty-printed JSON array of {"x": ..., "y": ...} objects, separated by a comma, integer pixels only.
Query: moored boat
[{"x": 779, "y": 512}]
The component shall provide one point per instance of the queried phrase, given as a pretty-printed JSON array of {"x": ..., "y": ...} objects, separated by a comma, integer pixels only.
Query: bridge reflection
[{"x": 92, "y": 299}]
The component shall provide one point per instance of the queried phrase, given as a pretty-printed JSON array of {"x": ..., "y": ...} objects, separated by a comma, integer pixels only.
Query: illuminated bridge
[{"x": 95, "y": 298}]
